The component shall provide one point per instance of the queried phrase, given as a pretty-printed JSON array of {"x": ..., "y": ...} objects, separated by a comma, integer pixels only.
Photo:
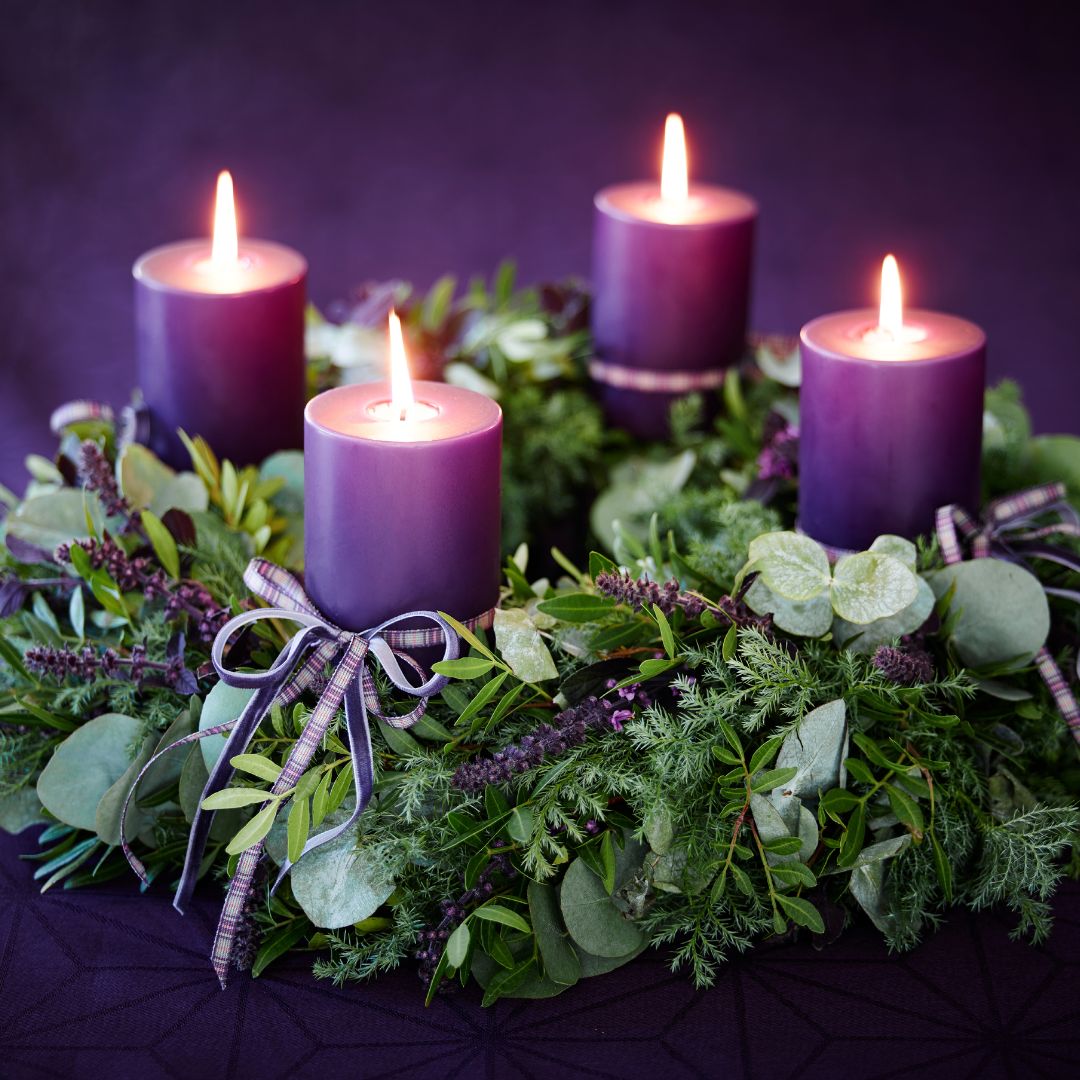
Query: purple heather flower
[
  {"x": 96, "y": 473},
  {"x": 907, "y": 666},
  {"x": 87, "y": 664},
  {"x": 568, "y": 729},
  {"x": 182, "y": 599},
  {"x": 432, "y": 940},
  {"x": 779, "y": 457},
  {"x": 644, "y": 593}
]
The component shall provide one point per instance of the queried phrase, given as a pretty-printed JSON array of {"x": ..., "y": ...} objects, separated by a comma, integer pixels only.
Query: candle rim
[
  {"x": 491, "y": 420},
  {"x": 141, "y": 273},
  {"x": 749, "y": 210},
  {"x": 959, "y": 346}
]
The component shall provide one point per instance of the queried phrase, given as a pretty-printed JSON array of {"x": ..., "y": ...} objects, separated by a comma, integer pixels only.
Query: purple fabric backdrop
[{"x": 418, "y": 137}]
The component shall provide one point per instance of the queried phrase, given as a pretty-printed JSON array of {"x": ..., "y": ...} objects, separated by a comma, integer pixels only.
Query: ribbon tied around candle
[
  {"x": 300, "y": 666},
  {"x": 1014, "y": 527}
]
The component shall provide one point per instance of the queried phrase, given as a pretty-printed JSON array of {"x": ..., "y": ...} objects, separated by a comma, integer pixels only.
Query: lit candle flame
[
  {"x": 674, "y": 173},
  {"x": 401, "y": 391},
  {"x": 224, "y": 249},
  {"x": 891, "y": 312}
]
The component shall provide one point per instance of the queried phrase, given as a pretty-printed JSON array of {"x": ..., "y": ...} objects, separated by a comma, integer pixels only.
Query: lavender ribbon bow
[
  {"x": 302, "y": 661},
  {"x": 132, "y": 423},
  {"x": 1011, "y": 530}
]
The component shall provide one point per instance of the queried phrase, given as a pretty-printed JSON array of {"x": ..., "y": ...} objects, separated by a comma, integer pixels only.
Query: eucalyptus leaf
[
  {"x": 815, "y": 748},
  {"x": 804, "y": 618},
  {"x": 1000, "y": 608},
  {"x": 521, "y": 646},
  {"x": 561, "y": 962},
  {"x": 149, "y": 484},
  {"x": 870, "y": 586},
  {"x": 867, "y": 885},
  {"x": 56, "y": 518},
  {"x": 340, "y": 883},
  {"x": 638, "y": 488},
  {"x": 593, "y": 921},
  {"x": 19, "y": 810},
  {"x": 85, "y": 766},
  {"x": 222, "y": 704},
  {"x": 899, "y": 548}
]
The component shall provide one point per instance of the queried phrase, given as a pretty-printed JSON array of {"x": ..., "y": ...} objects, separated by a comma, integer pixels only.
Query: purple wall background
[{"x": 418, "y": 137}]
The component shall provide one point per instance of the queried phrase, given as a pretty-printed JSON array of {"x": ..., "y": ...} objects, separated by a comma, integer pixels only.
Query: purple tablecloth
[{"x": 105, "y": 983}]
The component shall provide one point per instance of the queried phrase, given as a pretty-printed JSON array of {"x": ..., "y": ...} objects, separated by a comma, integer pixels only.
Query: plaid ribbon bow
[
  {"x": 299, "y": 665},
  {"x": 1014, "y": 528},
  {"x": 132, "y": 422}
]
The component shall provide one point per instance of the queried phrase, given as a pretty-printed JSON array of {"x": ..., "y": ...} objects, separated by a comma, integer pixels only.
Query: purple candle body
[
  {"x": 888, "y": 431},
  {"x": 221, "y": 354},
  {"x": 671, "y": 291},
  {"x": 401, "y": 515}
]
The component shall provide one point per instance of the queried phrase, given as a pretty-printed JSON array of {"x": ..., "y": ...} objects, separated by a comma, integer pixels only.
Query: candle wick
[{"x": 401, "y": 416}]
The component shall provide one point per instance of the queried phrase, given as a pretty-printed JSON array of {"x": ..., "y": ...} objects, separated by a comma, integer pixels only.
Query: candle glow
[
  {"x": 402, "y": 399},
  {"x": 891, "y": 310},
  {"x": 225, "y": 246},
  {"x": 674, "y": 172}
]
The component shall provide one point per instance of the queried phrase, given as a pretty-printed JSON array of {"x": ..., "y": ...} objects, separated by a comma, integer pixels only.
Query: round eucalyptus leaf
[
  {"x": 804, "y": 618},
  {"x": 866, "y": 639},
  {"x": 85, "y": 765},
  {"x": 561, "y": 963},
  {"x": 107, "y": 818},
  {"x": 20, "y": 810},
  {"x": 815, "y": 748},
  {"x": 593, "y": 920},
  {"x": 222, "y": 704},
  {"x": 601, "y": 965},
  {"x": 792, "y": 565},
  {"x": 149, "y": 484},
  {"x": 638, "y": 487},
  {"x": 1001, "y": 611},
  {"x": 870, "y": 586},
  {"x": 341, "y": 883},
  {"x": 59, "y": 517}
]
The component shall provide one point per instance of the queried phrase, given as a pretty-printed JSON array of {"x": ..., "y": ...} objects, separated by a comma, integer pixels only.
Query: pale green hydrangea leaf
[
  {"x": 865, "y": 639},
  {"x": 521, "y": 646},
  {"x": 792, "y": 565},
  {"x": 806, "y": 618},
  {"x": 870, "y": 586}
]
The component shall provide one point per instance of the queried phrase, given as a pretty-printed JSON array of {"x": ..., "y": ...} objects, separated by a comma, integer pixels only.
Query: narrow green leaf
[
  {"x": 666, "y": 634},
  {"x": 852, "y": 841},
  {"x": 943, "y": 867},
  {"x": 764, "y": 754},
  {"x": 650, "y": 669},
  {"x": 343, "y": 783},
  {"x": 860, "y": 770},
  {"x": 507, "y": 703},
  {"x": 568, "y": 566},
  {"x": 802, "y": 912},
  {"x": 231, "y": 798},
  {"x": 320, "y": 801},
  {"x": 577, "y": 607},
  {"x": 299, "y": 827},
  {"x": 162, "y": 542},
  {"x": 731, "y": 643},
  {"x": 499, "y": 914},
  {"x": 465, "y": 667},
  {"x": 795, "y": 874},
  {"x": 254, "y": 831},
  {"x": 467, "y": 635},
  {"x": 772, "y": 778},
  {"x": 906, "y": 809},
  {"x": 277, "y": 943},
  {"x": 506, "y": 982},
  {"x": 782, "y": 845},
  {"x": 742, "y": 880},
  {"x": 600, "y": 564},
  {"x": 483, "y": 696},
  {"x": 457, "y": 946},
  {"x": 256, "y": 765}
]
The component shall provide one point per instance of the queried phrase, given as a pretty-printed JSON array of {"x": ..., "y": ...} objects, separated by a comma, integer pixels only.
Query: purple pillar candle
[
  {"x": 671, "y": 281},
  {"x": 401, "y": 514},
  {"x": 890, "y": 418},
  {"x": 220, "y": 342}
]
